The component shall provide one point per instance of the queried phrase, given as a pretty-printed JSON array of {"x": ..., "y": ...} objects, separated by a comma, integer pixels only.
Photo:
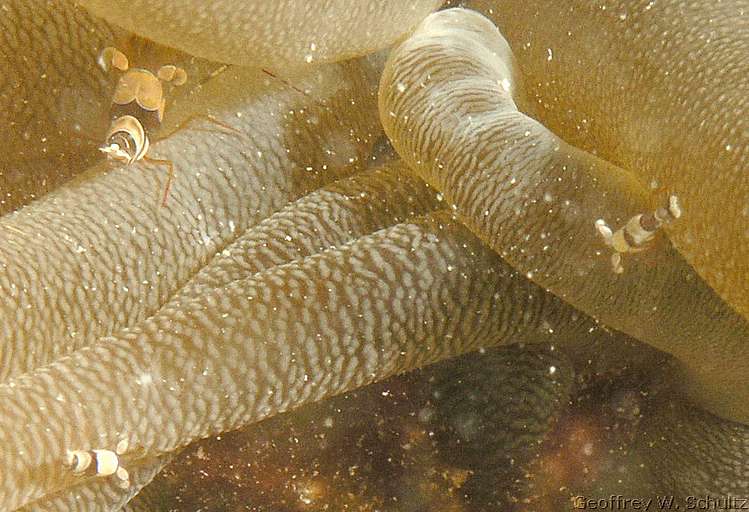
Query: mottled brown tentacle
[
  {"x": 447, "y": 103},
  {"x": 101, "y": 253},
  {"x": 384, "y": 304},
  {"x": 53, "y": 98},
  {"x": 100, "y": 495},
  {"x": 282, "y": 34},
  {"x": 661, "y": 89}
]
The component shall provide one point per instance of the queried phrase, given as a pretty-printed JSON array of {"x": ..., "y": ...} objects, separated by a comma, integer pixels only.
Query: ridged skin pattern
[
  {"x": 485, "y": 413},
  {"x": 692, "y": 453},
  {"x": 250, "y": 357},
  {"x": 661, "y": 89},
  {"x": 136, "y": 254},
  {"x": 467, "y": 152},
  {"x": 324, "y": 219},
  {"x": 359, "y": 205},
  {"x": 446, "y": 101},
  {"x": 124, "y": 320},
  {"x": 490, "y": 417},
  {"x": 100, "y": 495},
  {"x": 282, "y": 34},
  {"x": 50, "y": 95}
]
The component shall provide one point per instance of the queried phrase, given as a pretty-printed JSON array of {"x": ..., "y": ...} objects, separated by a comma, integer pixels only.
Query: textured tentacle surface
[
  {"x": 291, "y": 314},
  {"x": 100, "y": 495},
  {"x": 101, "y": 253},
  {"x": 51, "y": 95},
  {"x": 446, "y": 101},
  {"x": 268, "y": 34},
  {"x": 259, "y": 346},
  {"x": 484, "y": 416},
  {"x": 661, "y": 89},
  {"x": 690, "y": 452},
  {"x": 329, "y": 217},
  {"x": 356, "y": 206}
]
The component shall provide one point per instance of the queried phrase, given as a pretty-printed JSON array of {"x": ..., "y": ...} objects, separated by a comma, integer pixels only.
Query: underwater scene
[{"x": 374, "y": 255}]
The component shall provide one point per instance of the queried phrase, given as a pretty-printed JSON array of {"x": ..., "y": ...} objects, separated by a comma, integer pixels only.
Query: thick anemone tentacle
[
  {"x": 486, "y": 414},
  {"x": 690, "y": 452},
  {"x": 324, "y": 219},
  {"x": 333, "y": 215},
  {"x": 446, "y": 102},
  {"x": 353, "y": 207},
  {"x": 491, "y": 412},
  {"x": 328, "y": 217},
  {"x": 392, "y": 301},
  {"x": 277, "y": 35},
  {"x": 659, "y": 88},
  {"x": 100, "y": 495},
  {"x": 51, "y": 93},
  {"x": 100, "y": 253}
]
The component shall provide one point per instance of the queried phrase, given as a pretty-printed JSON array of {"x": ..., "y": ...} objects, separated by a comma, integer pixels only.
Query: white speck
[
  {"x": 529, "y": 275},
  {"x": 287, "y": 238},
  {"x": 232, "y": 226},
  {"x": 312, "y": 47},
  {"x": 206, "y": 239},
  {"x": 505, "y": 84},
  {"x": 729, "y": 147},
  {"x": 527, "y": 133},
  {"x": 623, "y": 16},
  {"x": 548, "y": 197},
  {"x": 549, "y": 54},
  {"x": 552, "y": 370},
  {"x": 144, "y": 379},
  {"x": 308, "y": 58},
  {"x": 401, "y": 87},
  {"x": 588, "y": 449},
  {"x": 440, "y": 197}
]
